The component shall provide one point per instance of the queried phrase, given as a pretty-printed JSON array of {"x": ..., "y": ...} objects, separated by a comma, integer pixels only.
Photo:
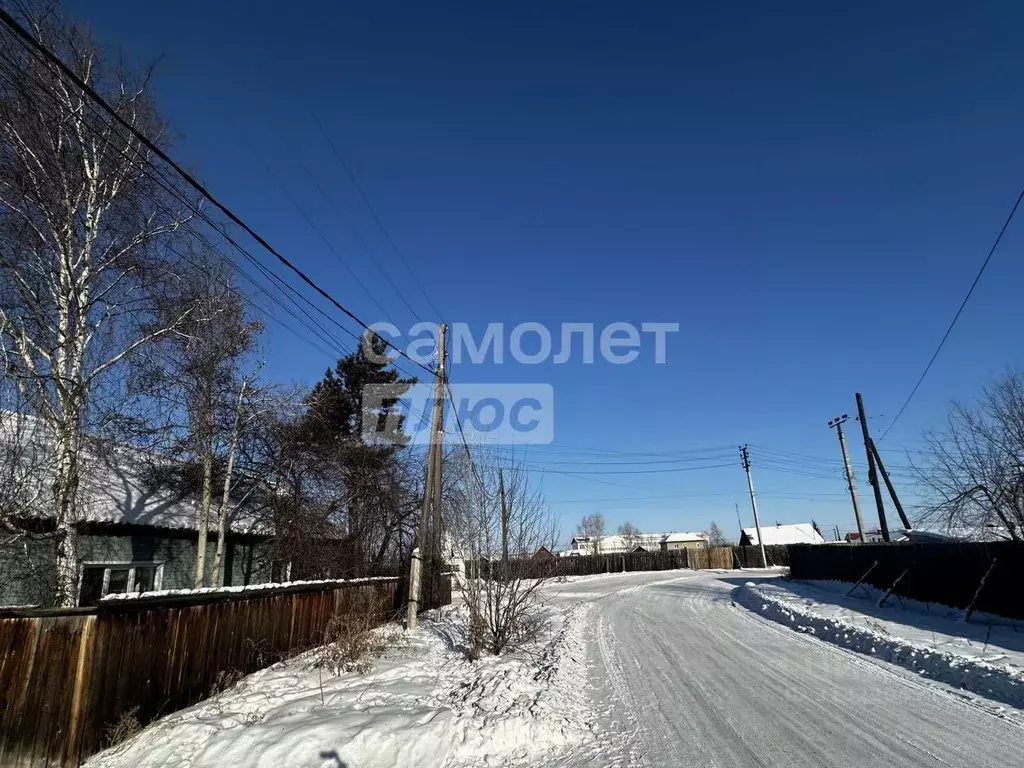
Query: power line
[
  {"x": 959, "y": 311},
  {"x": 154, "y": 175},
  {"x": 339, "y": 209},
  {"x": 630, "y": 471},
  {"x": 373, "y": 211},
  {"x": 32, "y": 43}
]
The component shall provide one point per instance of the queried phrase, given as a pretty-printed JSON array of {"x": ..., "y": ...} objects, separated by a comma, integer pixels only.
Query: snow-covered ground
[
  {"x": 424, "y": 704},
  {"x": 639, "y": 669},
  {"x": 984, "y": 656}
]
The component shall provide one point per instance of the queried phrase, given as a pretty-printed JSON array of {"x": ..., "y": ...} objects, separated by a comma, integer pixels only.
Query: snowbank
[
  {"x": 423, "y": 705},
  {"x": 1002, "y": 682}
]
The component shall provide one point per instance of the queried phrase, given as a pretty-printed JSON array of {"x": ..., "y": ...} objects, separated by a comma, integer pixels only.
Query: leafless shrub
[
  {"x": 503, "y": 522},
  {"x": 226, "y": 678},
  {"x": 126, "y": 727},
  {"x": 971, "y": 471},
  {"x": 352, "y": 637}
]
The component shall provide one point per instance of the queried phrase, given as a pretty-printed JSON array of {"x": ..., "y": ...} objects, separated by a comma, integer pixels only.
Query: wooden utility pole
[
  {"x": 837, "y": 422},
  {"x": 889, "y": 485},
  {"x": 432, "y": 485},
  {"x": 872, "y": 472},
  {"x": 745, "y": 455}
]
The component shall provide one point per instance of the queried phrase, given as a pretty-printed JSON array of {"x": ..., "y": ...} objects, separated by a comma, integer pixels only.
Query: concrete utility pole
[
  {"x": 745, "y": 455},
  {"x": 432, "y": 485},
  {"x": 838, "y": 422},
  {"x": 872, "y": 472}
]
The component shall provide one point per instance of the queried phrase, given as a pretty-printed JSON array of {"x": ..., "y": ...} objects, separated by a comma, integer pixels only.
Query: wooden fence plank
[{"x": 66, "y": 676}]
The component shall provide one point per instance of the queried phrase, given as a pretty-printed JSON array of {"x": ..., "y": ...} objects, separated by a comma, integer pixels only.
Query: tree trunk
[
  {"x": 222, "y": 524},
  {"x": 207, "y": 499},
  {"x": 65, "y": 498}
]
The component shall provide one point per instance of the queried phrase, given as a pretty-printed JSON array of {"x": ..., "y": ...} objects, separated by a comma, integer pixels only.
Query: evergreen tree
[{"x": 336, "y": 411}]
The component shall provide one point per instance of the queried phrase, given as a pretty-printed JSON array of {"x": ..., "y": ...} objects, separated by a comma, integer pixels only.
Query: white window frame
[{"x": 131, "y": 565}]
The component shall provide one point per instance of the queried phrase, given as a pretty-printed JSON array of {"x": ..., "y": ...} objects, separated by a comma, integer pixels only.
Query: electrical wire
[
  {"x": 956, "y": 317},
  {"x": 154, "y": 175},
  {"x": 373, "y": 211},
  {"x": 33, "y": 45}
]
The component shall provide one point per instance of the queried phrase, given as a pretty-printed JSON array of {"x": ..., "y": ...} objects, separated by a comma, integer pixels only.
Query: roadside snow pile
[
  {"x": 1003, "y": 682},
  {"x": 423, "y": 705}
]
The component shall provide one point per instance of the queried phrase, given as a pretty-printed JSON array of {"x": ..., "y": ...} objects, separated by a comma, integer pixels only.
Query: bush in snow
[
  {"x": 127, "y": 725},
  {"x": 503, "y": 522},
  {"x": 353, "y": 637}
]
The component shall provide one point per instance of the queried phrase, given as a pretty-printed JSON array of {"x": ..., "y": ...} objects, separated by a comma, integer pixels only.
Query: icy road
[{"x": 686, "y": 678}]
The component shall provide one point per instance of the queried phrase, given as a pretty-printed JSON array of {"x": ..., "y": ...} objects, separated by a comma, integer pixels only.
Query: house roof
[
  {"x": 115, "y": 487},
  {"x": 797, "y": 533},
  {"x": 615, "y": 541},
  {"x": 986, "y": 533},
  {"x": 685, "y": 536}
]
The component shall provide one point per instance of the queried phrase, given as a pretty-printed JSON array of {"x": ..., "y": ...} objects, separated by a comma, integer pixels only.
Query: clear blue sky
[{"x": 807, "y": 190}]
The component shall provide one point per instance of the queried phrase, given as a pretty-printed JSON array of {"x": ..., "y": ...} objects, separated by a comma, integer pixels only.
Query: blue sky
[{"x": 807, "y": 191}]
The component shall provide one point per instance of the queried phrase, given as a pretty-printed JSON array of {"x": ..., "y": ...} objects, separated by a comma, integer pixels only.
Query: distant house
[
  {"x": 543, "y": 554},
  {"x": 133, "y": 536},
  {"x": 797, "y": 533},
  {"x": 683, "y": 540},
  {"x": 871, "y": 536},
  {"x": 643, "y": 542}
]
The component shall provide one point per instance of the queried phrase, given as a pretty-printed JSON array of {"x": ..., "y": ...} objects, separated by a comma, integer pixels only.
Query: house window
[{"x": 101, "y": 579}]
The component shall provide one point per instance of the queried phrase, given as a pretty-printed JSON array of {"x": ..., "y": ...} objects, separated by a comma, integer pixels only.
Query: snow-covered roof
[
  {"x": 987, "y": 533},
  {"x": 615, "y": 542},
  {"x": 115, "y": 486},
  {"x": 797, "y": 533},
  {"x": 685, "y": 536}
]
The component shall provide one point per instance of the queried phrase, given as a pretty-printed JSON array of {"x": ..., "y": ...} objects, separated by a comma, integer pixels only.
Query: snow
[
  {"x": 656, "y": 668},
  {"x": 684, "y": 677},
  {"x": 424, "y": 704},
  {"x": 685, "y": 536},
  {"x": 122, "y": 596},
  {"x": 984, "y": 657},
  {"x": 116, "y": 487},
  {"x": 798, "y": 533}
]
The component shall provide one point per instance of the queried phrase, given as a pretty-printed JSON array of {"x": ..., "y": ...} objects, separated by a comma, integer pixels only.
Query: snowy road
[{"x": 688, "y": 679}]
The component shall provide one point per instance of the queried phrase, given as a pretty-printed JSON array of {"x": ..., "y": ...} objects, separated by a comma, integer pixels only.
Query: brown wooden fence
[
  {"x": 750, "y": 557},
  {"x": 948, "y": 573},
  {"x": 67, "y": 676},
  {"x": 716, "y": 557}
]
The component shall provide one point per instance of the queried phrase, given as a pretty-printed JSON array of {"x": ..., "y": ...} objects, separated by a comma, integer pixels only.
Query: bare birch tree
[
  {"x": 592, "y": 526},
  {"x": 82, "y": 223},
  {"x": 972, "y": 472},
  {"x": 630, "y": 535},
  {"x": 198, "y": 368},
  {"x": 715, "y": 536}
]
